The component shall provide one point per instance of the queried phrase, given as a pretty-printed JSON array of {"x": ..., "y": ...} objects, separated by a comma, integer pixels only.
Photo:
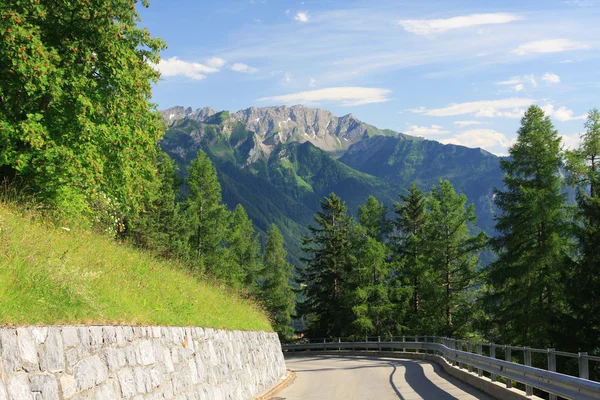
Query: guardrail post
[
  {"x": 527, "y": 359},
  {"x": 404, "y": 340},
  {"x": 552, "y": 367},
  {"x": 479, "y": 370},
  {"x": 469, "y": 367},
  {"x": 507, "y": 357},
  {"x": 584, "y": 371},
  {"x": 416, "y": 340},
  {"x": 493, "y": 355}
]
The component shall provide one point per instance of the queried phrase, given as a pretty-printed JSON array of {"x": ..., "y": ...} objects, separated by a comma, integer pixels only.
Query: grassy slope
[{"x": 49, "y": 275}]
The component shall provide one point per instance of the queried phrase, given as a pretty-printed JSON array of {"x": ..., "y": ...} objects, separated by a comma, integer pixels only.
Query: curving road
[{"x": 370, "y": 378}]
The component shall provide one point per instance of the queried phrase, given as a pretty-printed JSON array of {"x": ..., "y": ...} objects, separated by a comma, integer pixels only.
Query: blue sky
[{"x": 456, "y": 71}]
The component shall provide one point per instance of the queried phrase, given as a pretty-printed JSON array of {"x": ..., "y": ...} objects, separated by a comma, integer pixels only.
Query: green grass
[{"x": 50, "y": 275}]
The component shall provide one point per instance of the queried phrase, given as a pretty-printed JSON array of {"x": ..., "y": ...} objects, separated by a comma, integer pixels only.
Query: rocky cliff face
[{"x": 275, "y": 125}]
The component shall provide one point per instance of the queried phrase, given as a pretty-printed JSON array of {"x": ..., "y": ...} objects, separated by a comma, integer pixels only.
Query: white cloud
[
  {"x": 215, "y": 62},
  {"x": 345, "y": 96},
  {"x": 467, "y": 123},
  {"x": 571, "y": 142},
  {"x": 549, "y": 46},
  {"x": 301, "y": 16},
  {"x": 243, "y": 68},
  {"x": 518, "y": 82},
  {"x": 562, "y": 114},
  {"x": 483, "y": 108},
  {"x": 312, "y": 82},
  {"x": 426, "y": 131},
  {"x": 551, "y": 78},
  {"x": 433, "y": 26},
  {"x": 488, "y": 139},
  {"x": 175, "y": 67}
]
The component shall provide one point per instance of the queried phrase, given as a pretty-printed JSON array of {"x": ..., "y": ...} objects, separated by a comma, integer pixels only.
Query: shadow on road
[{"x": 414, "y": 375}]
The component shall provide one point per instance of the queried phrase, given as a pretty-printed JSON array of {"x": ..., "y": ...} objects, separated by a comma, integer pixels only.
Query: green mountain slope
[{"x": 474, "y": 172}]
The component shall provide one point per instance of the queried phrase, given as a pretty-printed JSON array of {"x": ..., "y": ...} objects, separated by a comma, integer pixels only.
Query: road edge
[{"x": 286, "y": 381}]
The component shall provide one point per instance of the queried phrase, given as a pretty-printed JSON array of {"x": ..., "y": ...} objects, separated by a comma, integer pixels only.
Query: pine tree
[
  {"x": 325, "y": 276},
  {"x": 452, "y": 255},
  {"x": 276, "y": 291},
  {"x": 160, "y": 227},
  {"x": 525, "y": 297},
  {"x": 207, "y": 218},
  {"x": 411, "y": 218},
  {"x": 583, "y": 292},
  {"x": 244, "y": 249},
  {"x": 368, "y": 285},
  {"x": 372, "y": 216}
]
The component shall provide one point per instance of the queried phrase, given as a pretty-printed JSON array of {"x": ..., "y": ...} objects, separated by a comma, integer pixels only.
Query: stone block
[
  {"x": 109, "y": 334},
  {"x": 10, "y": 350},
  {"x": 108, "y": 390},
  {"x": 39, "y": 334},
  {"x": 120, "y": 336},
  {"x": 3, "y": 394},
  {"x": 70, "y": 337},
  {"x": 130, "y": 355},
  {"x": 44, "y": 386},
  {"x": 109, "y": 356},
  {"x": 146, "y": 353},
  {"x": 168, "y": 361},
  {"x": 127, "y": 382},
  {"x": 143, "y": 381},
  {"x": 18, "y": 387},
  {"x": 55, "y": 352},
  {"x": 96, "y": 338},
  {"x": 89, "y": 373},
  {"x": 84, "y": 336},
  {"x": 68, "y": 387},
  {"x": 128, "y": 333},
  {"x": 156, "y": 332},
  {"x": 27, "y": 350}
]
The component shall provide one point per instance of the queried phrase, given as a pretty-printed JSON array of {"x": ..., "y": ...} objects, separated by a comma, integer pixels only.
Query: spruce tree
[
  {"x": 452, "y": 258},
  {"x": 160, "y": 226},
  {"x": 368, "y": 285},
  {"x": 324, "y": 278},
  {"x": 372, "y": 216},
  {"x": 207, "y": 218},
  {"x": 276, "y": 291},
  {"x": 525, "y": 297},
  {"x": 583, "y": 291},
  {"x": 409, "y": 250},
  {"x": 244, "y": 249}
]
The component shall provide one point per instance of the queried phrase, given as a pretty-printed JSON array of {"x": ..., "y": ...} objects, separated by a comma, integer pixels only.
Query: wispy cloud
[
  {"x": 549, "y": 46},
  {"x": 551, "y": 78},
  {"x": 175, "y": 67},
  {"x": 243, "y": 68},
  {"x": 518, "y": 82},
  {"x": 489, "y": 139},
  {"x": 301, "y": 16},
  {"x": 562, "y": 114},
  {"x": 462, "y": 124},
  {"x": 426, "y": 131},
  {"x": 433, "y": 26},
  {"x": 345, "y": 96},
  {"x": 216, "y": 62},
  {"x": 482, "y": 108}
]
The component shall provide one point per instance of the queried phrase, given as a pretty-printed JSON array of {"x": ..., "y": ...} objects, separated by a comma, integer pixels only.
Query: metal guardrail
[{"x": 549, "y": 381}]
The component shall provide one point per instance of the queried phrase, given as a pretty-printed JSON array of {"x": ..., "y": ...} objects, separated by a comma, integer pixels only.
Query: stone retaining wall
[{"x": 116, "y": 362}]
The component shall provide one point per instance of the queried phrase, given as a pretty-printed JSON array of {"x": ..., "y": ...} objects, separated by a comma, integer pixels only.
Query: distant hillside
[{"x": 474, "y": 172}]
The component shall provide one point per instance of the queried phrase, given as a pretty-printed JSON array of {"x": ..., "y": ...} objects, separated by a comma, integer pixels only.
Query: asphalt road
[{"x": 370, "y": 378}]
